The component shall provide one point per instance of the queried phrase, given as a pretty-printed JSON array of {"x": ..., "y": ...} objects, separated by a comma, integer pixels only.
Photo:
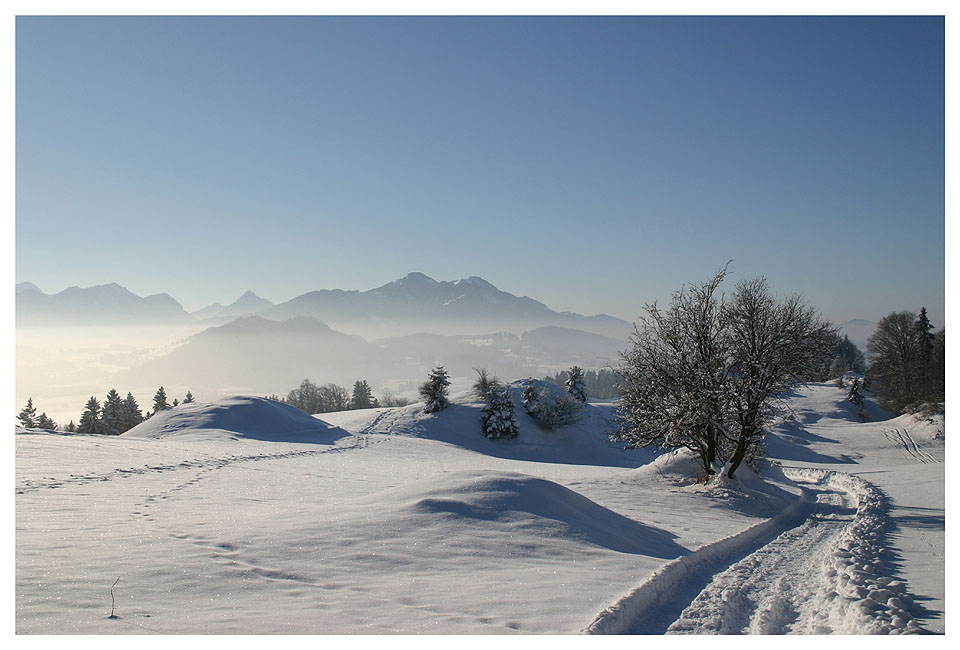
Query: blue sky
[{"x": 595, "y": 164}]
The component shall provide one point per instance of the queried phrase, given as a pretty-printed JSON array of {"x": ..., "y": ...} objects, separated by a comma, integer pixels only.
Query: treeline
[
  {"x": 907, "y": 362},
  {"x": 311, "y": 398},
  {"x": 600, "y": 384},
  {"x": 115, "y": 415}
]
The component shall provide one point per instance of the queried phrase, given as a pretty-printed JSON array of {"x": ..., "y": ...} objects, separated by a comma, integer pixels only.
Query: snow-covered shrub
[
  {"x": 498, "y": 416},
  {"x": 550, "y": 409},
  {"x": 576, "y": 386},
  {"x": 483, "y": 384},
  {"x": 434, "y": 390}
]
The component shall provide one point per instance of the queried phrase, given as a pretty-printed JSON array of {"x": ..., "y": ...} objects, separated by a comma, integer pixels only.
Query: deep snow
[{"x": 240, "y": 517}]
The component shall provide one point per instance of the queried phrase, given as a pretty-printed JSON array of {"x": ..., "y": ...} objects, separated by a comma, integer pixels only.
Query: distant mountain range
[
  {"x": 414, "y": 303},
  {"x": 105, "y": 304}
]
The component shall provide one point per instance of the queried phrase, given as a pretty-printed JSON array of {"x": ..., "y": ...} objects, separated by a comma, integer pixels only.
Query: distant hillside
[
  {"x": 858, "y": 331},
  {"x": 256, "y": 355}
]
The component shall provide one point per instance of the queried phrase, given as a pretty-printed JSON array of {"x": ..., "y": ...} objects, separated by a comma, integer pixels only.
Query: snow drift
[{"x": 256, "y": 418}]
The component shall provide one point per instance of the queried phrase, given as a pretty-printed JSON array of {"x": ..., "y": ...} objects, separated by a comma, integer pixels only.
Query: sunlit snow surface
[{"x": 239, "y": 516}]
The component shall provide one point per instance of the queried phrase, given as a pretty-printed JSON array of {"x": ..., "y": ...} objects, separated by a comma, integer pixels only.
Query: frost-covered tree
[
  {"x": 28, "y": 416},
  {"x": 705, "y": 373},
  {"x": 90, "y": 418},
  {"x": 550, "y": 409},
  {"x": 131, "y": 415},
  {"x": 772, "y": 345},
  {"x": 576, "y": 385},
  {"x": 529, "y": 395},
  {"x": 160, "y": 401},
  {"x": 498, "y": 415},
  {"x": 672, "y": 378},
  {"x": 43, "y": 422},
  {"x": 112, "y": 414},
  {"x": 855, "y": 395},
  {"x": 434, "y": 390},
  {"x": 188, "y": 398},
  {"x": 70, "y": 428}
]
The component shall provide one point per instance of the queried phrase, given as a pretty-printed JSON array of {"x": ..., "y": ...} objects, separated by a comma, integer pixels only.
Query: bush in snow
[
  {"x": 434, "y": 390},
  {"x": 498, "y": 416},
  {"x": 576, "y": 385},
  {"x": 550, "y": 409}
]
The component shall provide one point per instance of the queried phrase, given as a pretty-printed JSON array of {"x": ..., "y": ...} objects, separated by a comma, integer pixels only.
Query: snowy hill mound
[
  {"x": 534, "y": 506},
  {"x": 585, "y": 442},
  {"x": 237, "y": 417}
]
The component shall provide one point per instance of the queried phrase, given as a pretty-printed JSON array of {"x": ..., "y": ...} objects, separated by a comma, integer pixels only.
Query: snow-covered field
[{"x": 246, "y": 516}]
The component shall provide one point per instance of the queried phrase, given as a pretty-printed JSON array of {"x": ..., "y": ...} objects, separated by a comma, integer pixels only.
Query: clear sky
[{"x": 595, "y": 164}]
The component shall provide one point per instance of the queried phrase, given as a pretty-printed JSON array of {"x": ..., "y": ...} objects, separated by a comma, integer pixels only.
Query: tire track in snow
[
  {"x": 902, "y": 438},
  {"x": 820, "y": 575}
]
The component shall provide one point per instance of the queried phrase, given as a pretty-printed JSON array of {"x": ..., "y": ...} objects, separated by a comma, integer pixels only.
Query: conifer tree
[
  {"x": 362, "y": 396},
  {"x": 112, "y": 415},
  {"x": 529, "y": 396},
  {"x": 43, "y": 422},
  {"x": 28, "y": 415},
  {"x": 188, "y": 398},
  {"x": 90, "y": 418},
  {"x": 160, "y": 401},
  {"x": 176, "y": 402},
  {"x": 70, "y": 428},
  {"x": 434, "y": 390},
  {"x": 576, "y": 385},
  {"x": 498, "y": 415},
  {"x": 131, "y": 413}
]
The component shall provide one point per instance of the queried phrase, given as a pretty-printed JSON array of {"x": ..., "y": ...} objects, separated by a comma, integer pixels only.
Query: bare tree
[
  {"x": 771, "y": 346},
  {"x": 672, "y": 378},
  {"x": 705, "y": 374}
]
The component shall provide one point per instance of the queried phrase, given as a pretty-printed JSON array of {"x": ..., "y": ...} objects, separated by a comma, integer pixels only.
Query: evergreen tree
[
  {"x": 855, "y": 396},
  {"x": 43, "y": 422},
  {"x": 924, "y": 336},
  {"x": 498, "y": 415},
  {"x": 90, "y": 418},
  {"x": 362, "y": 396},
  {"x": 188, "y": 398},
  {"x": 529, "y": 396},
  {"x": 176, "y": 402},
  {"x": 28, "y": 416},
  {"x": 70, "y": 428},
  {"x": 160, "y": 401},
  {"x": 434, "y": 390},
  {"x": 484, "y": 383},
  {"x": 575, "y": 384},
  {"x": 112, "y": 414},
  {"x": 130, "y": 413}
]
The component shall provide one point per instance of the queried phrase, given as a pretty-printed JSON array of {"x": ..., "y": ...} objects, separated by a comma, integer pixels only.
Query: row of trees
[
  {"x": 600, "y": 384},
  {"x": 115, "y": 415},
  {"x": 705, "y": 372},
  {"x": 311, "y": 398},
  {"x": 907, "y": 361}
]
